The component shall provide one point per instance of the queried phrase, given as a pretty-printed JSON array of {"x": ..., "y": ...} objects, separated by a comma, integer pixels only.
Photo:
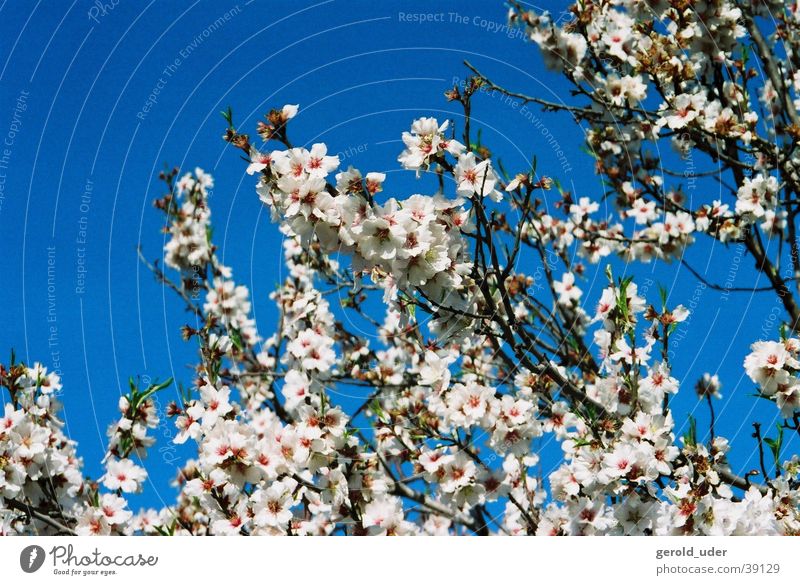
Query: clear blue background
[{"x": 361, "y": 72}]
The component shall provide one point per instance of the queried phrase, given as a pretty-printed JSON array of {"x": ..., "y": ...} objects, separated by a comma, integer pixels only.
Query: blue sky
[{"x": 80, "y": 173}]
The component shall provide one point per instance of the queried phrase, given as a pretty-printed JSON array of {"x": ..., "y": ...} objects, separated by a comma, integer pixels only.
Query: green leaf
[
  {"x": 502, "y": 168},
  {"x": 590, "y": 412},
  {"x": 775, "y": 445},
  {"x": 139, "y": 397},
  {"x": 228, "y": 115},
  {"x": 589, "y": 151},
  {"x": 377, "y": 409},
  {"x": 690, "y": 437},
  {"x": 573, "y": 343},
  {"x": 622, "y": 299},
  {"x": 236, "y": 339}
]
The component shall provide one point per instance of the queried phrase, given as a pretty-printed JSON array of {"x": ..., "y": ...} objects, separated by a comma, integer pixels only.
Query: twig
[{"x": 32, "y": 512}]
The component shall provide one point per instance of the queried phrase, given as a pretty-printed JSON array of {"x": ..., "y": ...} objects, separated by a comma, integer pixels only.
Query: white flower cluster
[
  {"x": 35, "y": 455},
  {"x": 230, "y": 303},
  {"x": 774, "y": 367},
  {"x": 415, "y": 242},
  {"x": 189, "y": 247},
  {"x": 644, "y": 84}
]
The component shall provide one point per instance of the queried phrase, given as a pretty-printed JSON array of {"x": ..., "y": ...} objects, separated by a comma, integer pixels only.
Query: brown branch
[{"x": 32, "y": 512}]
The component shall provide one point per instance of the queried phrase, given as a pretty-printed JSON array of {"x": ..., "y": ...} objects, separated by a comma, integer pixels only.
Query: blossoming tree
[{"x": 471, "y": 360}]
